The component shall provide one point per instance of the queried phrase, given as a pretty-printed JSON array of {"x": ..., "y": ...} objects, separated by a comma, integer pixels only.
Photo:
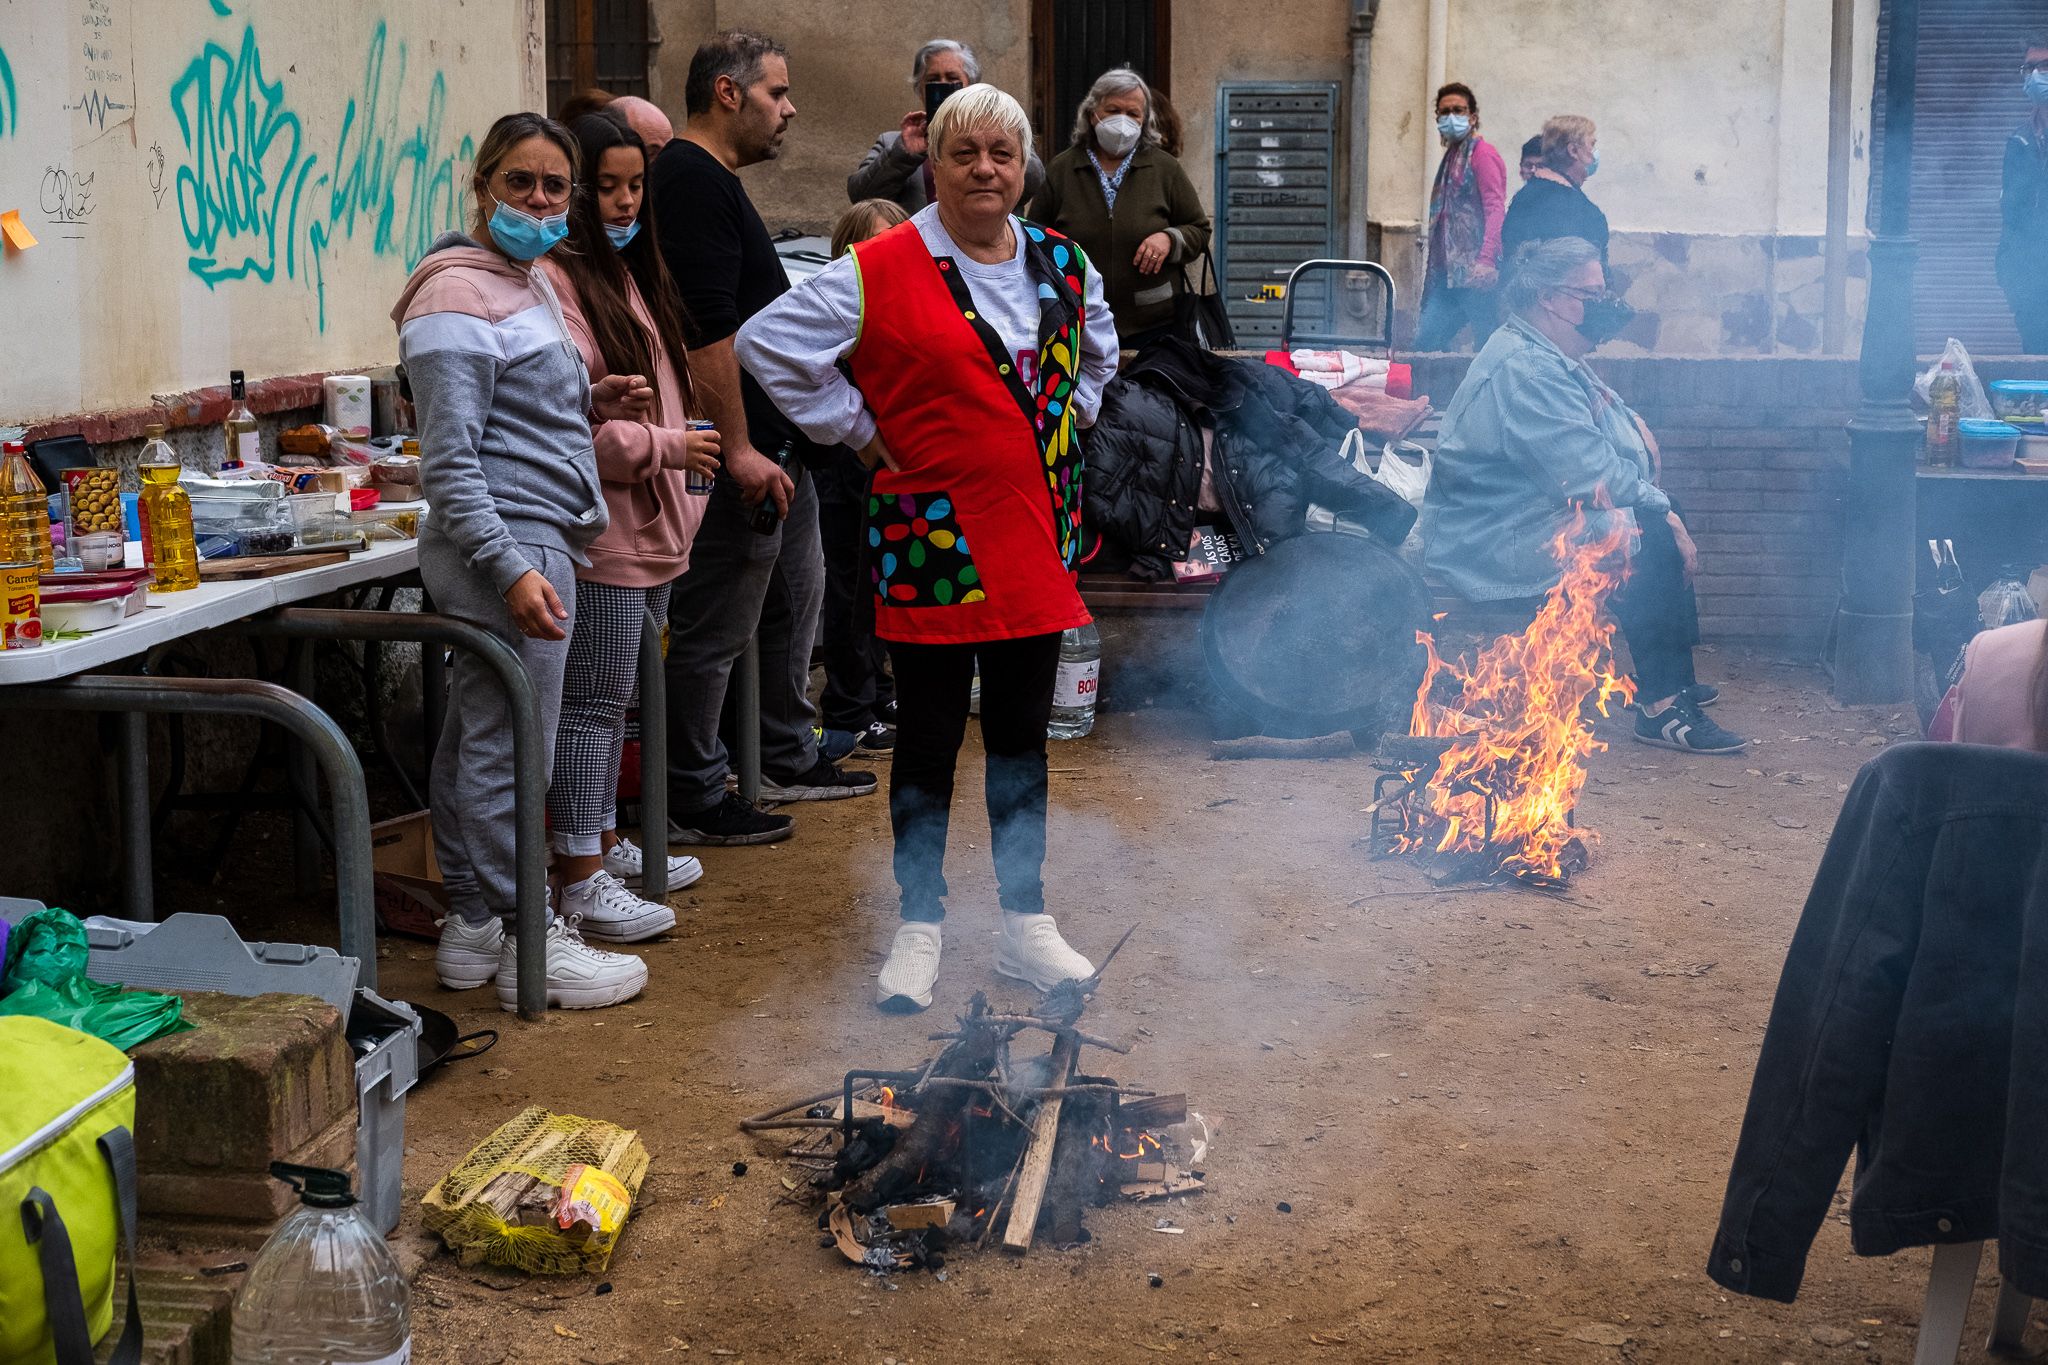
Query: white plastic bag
[
  {"x": 1973, "y": 403},
  {"x": 1404, "y": 469}
]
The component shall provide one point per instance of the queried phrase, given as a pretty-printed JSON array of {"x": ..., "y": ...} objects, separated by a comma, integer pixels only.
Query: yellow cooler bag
[{"x": 67, "y": 1193}]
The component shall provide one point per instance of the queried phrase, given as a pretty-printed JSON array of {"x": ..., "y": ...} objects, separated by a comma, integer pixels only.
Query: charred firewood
[{"x": 931, "y": 1145}]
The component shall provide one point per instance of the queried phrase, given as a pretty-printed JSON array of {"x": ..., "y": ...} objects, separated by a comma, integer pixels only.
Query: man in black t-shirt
[{"x": 740, "y": 583}]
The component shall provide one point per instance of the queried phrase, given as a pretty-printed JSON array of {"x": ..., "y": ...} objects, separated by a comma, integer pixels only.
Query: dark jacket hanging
[{"x": 1911, "y": 1024}]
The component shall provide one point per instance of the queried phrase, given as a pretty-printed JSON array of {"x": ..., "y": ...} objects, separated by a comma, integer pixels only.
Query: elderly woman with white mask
[
  {"x": 1129, "y": 205},
  {"x": 958, "y": 353}
]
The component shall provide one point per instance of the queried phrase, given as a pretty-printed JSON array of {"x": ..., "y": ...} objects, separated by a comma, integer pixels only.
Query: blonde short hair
[
  {"x": 979, "y": 106},
  {"x": 1560, "y": 133}
]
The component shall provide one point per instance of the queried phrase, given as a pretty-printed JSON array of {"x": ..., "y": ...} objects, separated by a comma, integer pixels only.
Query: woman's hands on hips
[
  {"x": 536, "y": 610},
  {"x": 875, "y": 454},
  {"x": 1152, "y": 253}
]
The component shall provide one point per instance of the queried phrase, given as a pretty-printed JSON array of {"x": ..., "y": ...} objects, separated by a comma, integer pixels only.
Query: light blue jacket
[{"x": 1530, "y": 434}]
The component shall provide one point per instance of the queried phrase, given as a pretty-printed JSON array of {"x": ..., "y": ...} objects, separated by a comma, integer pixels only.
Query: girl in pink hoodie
[{"x": 624, "y": 314}]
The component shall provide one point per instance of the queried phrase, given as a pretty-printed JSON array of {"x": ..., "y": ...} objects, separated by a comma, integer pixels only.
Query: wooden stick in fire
[{"x": 1038, "y": 1155}]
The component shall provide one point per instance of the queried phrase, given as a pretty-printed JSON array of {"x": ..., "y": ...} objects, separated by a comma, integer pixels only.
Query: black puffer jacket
[{"x": 1275, "y": 452}]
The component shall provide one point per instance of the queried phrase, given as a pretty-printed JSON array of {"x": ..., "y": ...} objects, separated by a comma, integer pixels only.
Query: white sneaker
[
  {"x": 580, "y": 977},
  {"x": 624, "y": 861},
  {"x": 467, "y": 955},
  {"x": 610, "y": 912},
  {"x": 1032, "y": 951},
  {"x": 905, "y": 983}
]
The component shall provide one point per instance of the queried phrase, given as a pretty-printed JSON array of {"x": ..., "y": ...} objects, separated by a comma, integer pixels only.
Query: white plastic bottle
[
  {"x": 325, "y": 1287},
  {"x": 1073, "y": 694}
]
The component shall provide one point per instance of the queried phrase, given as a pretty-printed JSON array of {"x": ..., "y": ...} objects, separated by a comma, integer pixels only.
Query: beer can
[
  {"x": 698, "y": 485},
  {"x": 21, "y": 606}
]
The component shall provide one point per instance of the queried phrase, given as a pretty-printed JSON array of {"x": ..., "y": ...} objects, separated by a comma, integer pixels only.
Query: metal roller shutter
[
  {"x": 1276, "y": 194},
  {"x": 1966, "y": 102}
]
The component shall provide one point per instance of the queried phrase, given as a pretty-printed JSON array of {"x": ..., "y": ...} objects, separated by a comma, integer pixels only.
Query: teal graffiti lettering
[
  {"x": 8, "y": 116},
  {"x": 239, "y": 188},
  {"x": 400, "y": 183}
]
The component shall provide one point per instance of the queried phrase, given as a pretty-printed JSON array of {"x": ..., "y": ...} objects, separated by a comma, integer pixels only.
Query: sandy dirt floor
[{"x": 1501, "y": 1119}]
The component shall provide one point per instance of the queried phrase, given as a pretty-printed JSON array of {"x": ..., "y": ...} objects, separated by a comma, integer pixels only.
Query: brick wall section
[{"x": 1756, "y": 452}]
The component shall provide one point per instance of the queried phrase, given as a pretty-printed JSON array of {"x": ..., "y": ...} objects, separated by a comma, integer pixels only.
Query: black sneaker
[
  {"x": 824, "y": 782},
  {"x": 731, "y": 821},
  {"x": 877, "y": 741},
  {"x": 1682, "y": 725},
  {"x": 886, "y": 712}
]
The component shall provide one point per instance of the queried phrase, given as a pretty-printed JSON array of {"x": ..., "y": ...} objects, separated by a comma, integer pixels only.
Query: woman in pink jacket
[
  {"x": 624, "y": 315},
  {"x": 2002, "y": 696}
]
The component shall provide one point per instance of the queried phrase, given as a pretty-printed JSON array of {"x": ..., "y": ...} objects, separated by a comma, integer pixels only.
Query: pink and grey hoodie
[{"x": 503, "y": 401}]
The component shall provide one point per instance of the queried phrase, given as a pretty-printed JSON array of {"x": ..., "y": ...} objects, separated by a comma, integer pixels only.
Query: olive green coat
[{"x": 1155, "y": 196}]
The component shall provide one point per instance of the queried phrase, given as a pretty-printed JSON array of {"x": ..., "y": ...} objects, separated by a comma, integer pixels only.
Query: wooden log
[
  {"x": 1037, "y": 1168},
  {"x": 1160, "y": 1111}
]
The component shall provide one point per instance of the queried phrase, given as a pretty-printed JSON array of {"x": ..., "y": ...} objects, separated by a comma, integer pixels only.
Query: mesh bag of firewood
[{"x": 546, "y": 1193}]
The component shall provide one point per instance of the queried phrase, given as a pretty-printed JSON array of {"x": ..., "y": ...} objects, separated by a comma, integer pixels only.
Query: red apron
[{"x": 975, "y": 538}]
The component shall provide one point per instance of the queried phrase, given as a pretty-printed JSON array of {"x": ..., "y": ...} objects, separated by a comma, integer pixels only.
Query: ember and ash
[
  {"x": 975, "y": 1145},
  {"x": 1514, "y": 730}
]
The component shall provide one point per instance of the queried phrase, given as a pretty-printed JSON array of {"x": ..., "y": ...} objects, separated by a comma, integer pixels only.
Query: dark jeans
[
  {"x": 932, "y": 687},
  {"x": 1909, "y": 1028},
  {"x": 2030, "y": 316},
  {"x": 857, "y": 682},
  {"x": 1658, "y": 614},
  {"x": 1445, "y": 311}
]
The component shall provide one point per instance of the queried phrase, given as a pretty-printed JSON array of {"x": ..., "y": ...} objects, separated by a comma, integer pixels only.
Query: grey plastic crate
[
  {"x": 204, "y": 953},
  {"x": 384, "y": 1034}
]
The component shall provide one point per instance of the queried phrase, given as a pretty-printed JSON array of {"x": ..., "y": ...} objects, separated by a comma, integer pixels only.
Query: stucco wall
[{"x": 221, "y": 187}]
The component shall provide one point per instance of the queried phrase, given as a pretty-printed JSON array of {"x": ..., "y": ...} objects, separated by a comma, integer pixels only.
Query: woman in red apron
[{"x": 959, "y": 353}]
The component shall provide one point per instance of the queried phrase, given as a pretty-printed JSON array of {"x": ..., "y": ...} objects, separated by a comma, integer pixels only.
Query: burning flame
[
  {"x": 1518, "y": 718},
  {"x": 888, "y": 1098},
  {"x": 1147, "y": 1145}
]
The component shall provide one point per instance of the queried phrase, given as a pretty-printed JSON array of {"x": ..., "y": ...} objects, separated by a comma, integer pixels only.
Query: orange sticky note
[{"x": 17, "y": 233}]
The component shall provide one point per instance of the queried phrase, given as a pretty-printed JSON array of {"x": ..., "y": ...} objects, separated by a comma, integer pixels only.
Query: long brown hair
[{"x": 600, "y": 271}]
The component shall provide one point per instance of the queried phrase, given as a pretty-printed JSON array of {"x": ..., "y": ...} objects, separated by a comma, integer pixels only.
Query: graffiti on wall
[
  {"x": 8, "y": 115},
  {"x": 257, "y": 202}
]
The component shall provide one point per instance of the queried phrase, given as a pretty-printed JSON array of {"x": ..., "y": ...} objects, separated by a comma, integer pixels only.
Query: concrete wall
[{"x": 221, "y": 187}]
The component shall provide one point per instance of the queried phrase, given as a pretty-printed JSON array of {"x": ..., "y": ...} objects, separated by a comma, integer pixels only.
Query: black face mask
[
  {"x": 1605, "y": 319},
  {"x": 936, "y": 93}
]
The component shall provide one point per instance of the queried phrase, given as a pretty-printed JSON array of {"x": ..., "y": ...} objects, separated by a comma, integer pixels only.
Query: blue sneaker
[{"x": 835, "y": 744}]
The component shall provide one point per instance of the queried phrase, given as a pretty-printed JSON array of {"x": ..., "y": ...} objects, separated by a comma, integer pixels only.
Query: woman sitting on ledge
[{"x": 1532, "y": 439}]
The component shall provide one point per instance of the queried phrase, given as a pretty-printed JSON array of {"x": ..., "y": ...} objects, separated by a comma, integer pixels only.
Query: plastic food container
[
  {"x": 85, "y": 606},
  {"x": 1987, "y": 445},
  {"x": 2019, "y": 397},
  {"x": 96, "y": 550}
]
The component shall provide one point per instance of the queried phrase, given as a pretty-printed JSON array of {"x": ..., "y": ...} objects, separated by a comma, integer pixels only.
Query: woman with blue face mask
[
  {"x": 625, "y": 316},
  {"x": 504, "y": 409},
  {"x": 1554, "y": 204},
  {"x": 2023, "y": 207},
  {"x": 1465, "y": 212}
]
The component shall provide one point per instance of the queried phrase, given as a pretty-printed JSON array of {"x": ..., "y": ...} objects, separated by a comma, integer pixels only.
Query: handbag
[
  {"x": 1198, "y": 312},
  {"x": 67, "y": 1194}
]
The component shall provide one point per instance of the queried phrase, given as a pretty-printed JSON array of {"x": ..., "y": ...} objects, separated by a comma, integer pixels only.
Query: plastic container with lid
[
  {"x": 1987, "y": 444},
  {"x": 2018, "y": 397}
]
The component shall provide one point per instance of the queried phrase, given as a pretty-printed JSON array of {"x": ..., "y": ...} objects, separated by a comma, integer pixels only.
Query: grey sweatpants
[
  {"x": 740, "y": 583},
  {"x": 471, "y": 790}
]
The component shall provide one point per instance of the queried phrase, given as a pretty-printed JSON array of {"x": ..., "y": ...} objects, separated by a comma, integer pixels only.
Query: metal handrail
[{"x": 1384, "y": 339}]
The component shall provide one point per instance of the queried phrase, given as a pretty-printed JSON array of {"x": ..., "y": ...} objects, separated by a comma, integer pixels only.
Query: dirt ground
[{"x": 1501, "y": 1119}]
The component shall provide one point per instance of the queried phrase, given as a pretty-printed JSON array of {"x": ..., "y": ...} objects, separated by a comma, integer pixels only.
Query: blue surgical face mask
[
  {"x": 523, "y": 236},
  {"x": 1454, "y": 126},
  {"x": 2036, "y": 86},
  {"x": 1593, "y": 165},
  {"x": 621, "y": 236}
]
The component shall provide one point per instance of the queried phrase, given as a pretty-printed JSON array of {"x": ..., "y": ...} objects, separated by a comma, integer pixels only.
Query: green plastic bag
[
  {"x": 45, "y": 977},
  {"x": 47, "y": 946}
]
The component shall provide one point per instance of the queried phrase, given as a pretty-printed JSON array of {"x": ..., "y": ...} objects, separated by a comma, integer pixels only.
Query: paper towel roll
[{"x": 348, "y": 403}]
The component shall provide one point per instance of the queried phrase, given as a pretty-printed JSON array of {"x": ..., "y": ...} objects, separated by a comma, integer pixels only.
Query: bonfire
[{"x": 1514, "y": 725}]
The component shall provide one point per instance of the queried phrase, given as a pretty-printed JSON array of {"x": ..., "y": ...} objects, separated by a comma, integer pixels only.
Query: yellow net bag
[{"x": 546, "y": 1193}]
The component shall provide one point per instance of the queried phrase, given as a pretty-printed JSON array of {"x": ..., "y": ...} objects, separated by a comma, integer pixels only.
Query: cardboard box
[{"x": 407, "y": 878}]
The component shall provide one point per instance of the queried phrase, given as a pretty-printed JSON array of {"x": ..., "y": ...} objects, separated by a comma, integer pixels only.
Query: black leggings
[
  {"x": 932, "y": 687},
  {"x": 1658, "y": 614}
]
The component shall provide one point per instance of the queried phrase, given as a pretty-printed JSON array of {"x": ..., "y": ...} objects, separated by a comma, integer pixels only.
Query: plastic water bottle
[
  {"x": 1073, "y": 694},
  {"x": 2006, "y": 602},
  {"x": 325, "y": 1287}
]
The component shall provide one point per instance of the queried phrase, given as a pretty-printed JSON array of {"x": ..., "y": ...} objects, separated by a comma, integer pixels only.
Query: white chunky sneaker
[
  {"x": 580, "y": 977},
  {"x": 905, "y": 984},
  {"x": 625, "y": 861},
  {"x": 608, "y": 911},
  {"x": 467, "y": 955},
  {"x": 1032, "y": 951}
]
